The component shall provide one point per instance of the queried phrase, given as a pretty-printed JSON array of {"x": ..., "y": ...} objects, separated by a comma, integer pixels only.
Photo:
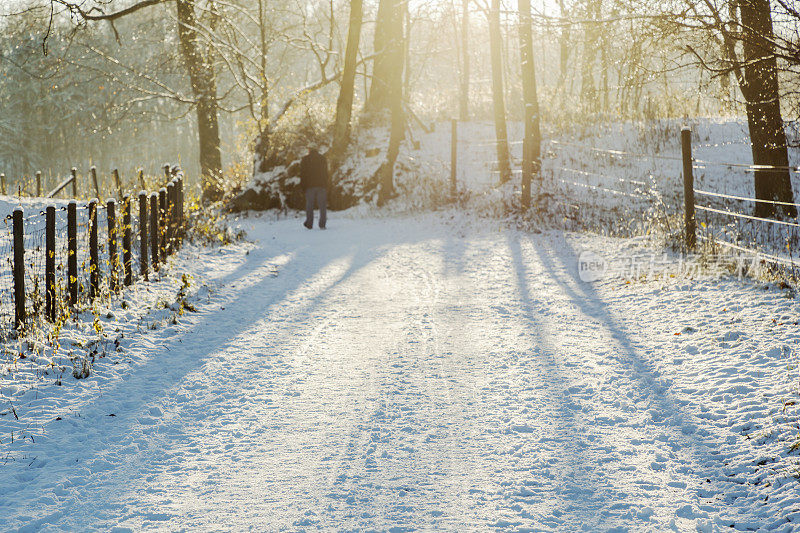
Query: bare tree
[
  {"x": 564, "y": 44},
  {"x": 394, "y": 64},
  {"x": 591, "y": 35},
  {"x": 344, "y": 103},
  {"x": 750, "y": 53},
  {"x": 201, "y": 75},
  {"x": 532, "y": 143},
  {"x": 388, "y": 31},
  {"x": 498, "y": 92},
  {"x": 463, "y": 98},
  {"x": 204, "y": 87},
  {"x": 759, "y": 85}
]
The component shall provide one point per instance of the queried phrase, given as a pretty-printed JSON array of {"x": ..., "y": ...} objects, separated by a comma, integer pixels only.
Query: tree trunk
[
  {"x": 395, "y": 58},
  {"x": 344, "y": 104},
  {"x": 386, "y": 170},
  {"x": 405, "y": 30},
  {"x": 606, "y": 67},
  {"x": 262, "y": 143},
  {"x": 264, "y": 125},
  {"x": 463, "y": 100},
  {"x": 564, "y": 46},
  {"x": 588, "y": 89},
  {"x": 498, "y": 94},
  {"x": 531, "y": 146},
  {"x": 759, "y": 85},
  {"x": 262, "y": 37},
  {"x": 387, "y": 30},
  {"x": 204, "y": 88}
]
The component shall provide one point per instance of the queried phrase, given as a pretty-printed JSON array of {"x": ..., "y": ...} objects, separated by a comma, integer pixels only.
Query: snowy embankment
[
  {"x": 647, "y": 152},
  {"x": 429, "y": 373},
  {"x": 630, "y": 170}
]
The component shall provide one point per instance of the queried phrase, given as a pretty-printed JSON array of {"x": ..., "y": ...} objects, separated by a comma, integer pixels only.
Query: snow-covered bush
[
  {"x": 419, "y": 182},
  {"x": 81, "y": 367},
  {"x": 208, "y": 226}
]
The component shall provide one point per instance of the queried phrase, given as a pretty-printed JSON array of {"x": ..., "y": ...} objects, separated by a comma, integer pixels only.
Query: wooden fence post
[
  {"x": 176, "y": 227},
  {"x": 453, "y": 156},
  {"x": 143, "y": 234},
  {"x": 19, "y": 269},
  {"x": 3, "y": 183},
  {"x": 154, "y": 230},
  {"x": 113, "y": 253},
  {"x": 175, "y": 215},
  {"x": 74, "y": 172},
  {"x": 167, "y": 172},
  {"x": 72, "y": 253},
  {"x": 183, "y": 208},
  {"x": 688, "y": 189},
  {"x": 50, "y": 305},
  {"x": 94, "y": 254},
  {"x": 162, "y": 224},
  {"x": 171, "y": 212},
  {"x": 180, "y": 210},
  {"x": 93, "y": 172},
  {"x": 38, "y": 183},
  {"x": 126, "y": 240},
  {"x": 118, "y": 183}
]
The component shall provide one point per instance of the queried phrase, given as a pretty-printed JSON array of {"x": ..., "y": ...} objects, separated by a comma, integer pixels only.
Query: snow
[
  {"x": 433, "y": 371},
  {"x": 640, "y": 182},
  {"x": 646, "y": 178}
]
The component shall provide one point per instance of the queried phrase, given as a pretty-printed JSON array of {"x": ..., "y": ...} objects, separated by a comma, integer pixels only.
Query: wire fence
[
  {"x": 626, "y": 192},
  {"x": 59, "y": 260},
  {"x": 82, "y": 185},
  {"x": 727, "y": 219}
]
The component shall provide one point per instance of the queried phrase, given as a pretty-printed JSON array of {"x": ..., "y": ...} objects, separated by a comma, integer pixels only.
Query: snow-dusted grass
[
  {"x": 90, "y": 345},
  {"x": 427, "y": 372},
  {"x": 619, "y": 179},
  {"x": 47, "y": 367}
]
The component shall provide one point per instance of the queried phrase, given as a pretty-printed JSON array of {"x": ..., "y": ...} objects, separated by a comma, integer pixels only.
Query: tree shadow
[
  {"x": 92, "y": 435},
  {"x": 567, "y": 428},
  {"x": 560, "y": 268}
]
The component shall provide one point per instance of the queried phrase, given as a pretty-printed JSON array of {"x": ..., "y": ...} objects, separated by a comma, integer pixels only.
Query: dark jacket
[{"x": 313, "y": 171}]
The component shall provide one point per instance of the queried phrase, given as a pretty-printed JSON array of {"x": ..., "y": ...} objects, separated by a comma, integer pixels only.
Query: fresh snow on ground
[
  {"x": 427, "y": 372},
  {"x": 645, "y": 160}
]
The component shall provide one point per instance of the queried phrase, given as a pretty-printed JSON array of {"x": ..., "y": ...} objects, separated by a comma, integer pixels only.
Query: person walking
[{"x": 314, "y": 181}]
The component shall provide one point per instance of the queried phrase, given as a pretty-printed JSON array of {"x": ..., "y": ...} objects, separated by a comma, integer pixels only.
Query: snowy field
[
  {"x": 434, "y": 372},
  {"x": 618, "y": 178},
  {"x": 647, "y": 152}
]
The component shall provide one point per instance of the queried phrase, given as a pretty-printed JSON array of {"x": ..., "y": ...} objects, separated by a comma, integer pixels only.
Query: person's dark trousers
[{"x": 316, "y": 196}]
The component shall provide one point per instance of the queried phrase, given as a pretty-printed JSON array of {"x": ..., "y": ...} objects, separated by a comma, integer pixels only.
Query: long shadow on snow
[
  {"x": 362, "y": 256},
  {"x": 149, "y": 382},
  {"x": 584, "y": 296},
  {"x": 567, "y": 429}
]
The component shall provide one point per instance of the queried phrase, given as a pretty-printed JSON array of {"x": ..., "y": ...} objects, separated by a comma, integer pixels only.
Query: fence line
[
  {"x": 748, "y": 167},
  {"x": 62, "y": 262},
  {"x": 92, "y": 183},
  {"x": 600, "y": 188},
  {"x": 748, "y": 217},
  {"x": 587, "y": 173},
  {"x": 744, "y": 198},
  {"x": 617, "y": 152},
  {"x": 757, "y": 237},
  {"x": 660, "y": 204}
]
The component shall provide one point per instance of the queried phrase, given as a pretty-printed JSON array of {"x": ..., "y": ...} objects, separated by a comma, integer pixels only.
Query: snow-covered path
[{"x": 401, "y": 374}]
